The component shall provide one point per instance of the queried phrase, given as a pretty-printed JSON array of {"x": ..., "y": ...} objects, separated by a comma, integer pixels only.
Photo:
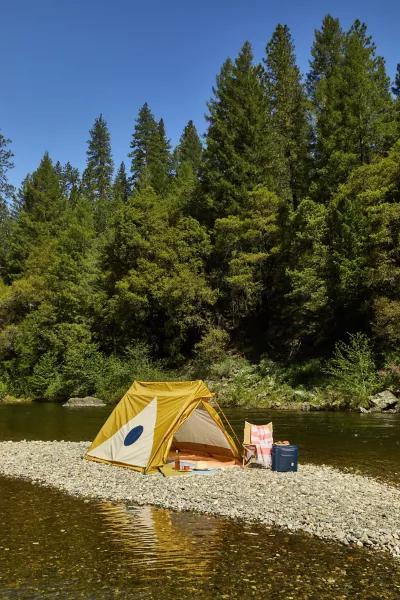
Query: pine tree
[
  {"x": 150, "y": 152},
  {"x": 353, "y": 110},
  {"x": 325, "y": 88},
  {"x": 38, "y": 213},
  {"x": 189, "y": 150},
  {"x": 327, "y": 53},
  {"x": 42, "y": 198},
  {"x": 365, "y": 229},
  {"x": 97, "y": 177},
  {"x": 6, "y": 192},
  {"x": 396, "y": 93},
  {"x": 6, "y": 163},
  {"x": 306, "y": 306},
  {"x": 69, "y": 178},
  {"x": 289, "y": 108},
  {"x": 160, "y": 160},
  {"x": 367, "y": 107},
  {"x": 241, "y": 147},
  {"x": 246, "y": 246},
  {"x": 145, "y": 129},
  {"x": 155, "y": 276},
  {"x": 396, "y": 82},
  {"x": 121, "y": 185}
]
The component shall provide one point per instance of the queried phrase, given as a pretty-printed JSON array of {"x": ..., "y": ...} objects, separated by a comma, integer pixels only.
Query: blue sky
[{"x": 62, "y": 62}]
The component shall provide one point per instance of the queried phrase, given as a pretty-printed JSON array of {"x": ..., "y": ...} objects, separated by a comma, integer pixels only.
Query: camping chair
[{"x": 257, "y": 445}]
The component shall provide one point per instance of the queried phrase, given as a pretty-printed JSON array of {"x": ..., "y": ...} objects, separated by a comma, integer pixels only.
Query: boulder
[
  {"x": 86, "y": 401},
  {"x": 384, "y": 400}
]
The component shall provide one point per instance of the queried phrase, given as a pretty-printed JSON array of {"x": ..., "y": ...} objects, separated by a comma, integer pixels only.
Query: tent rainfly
[{"x": 154, "y": 419}]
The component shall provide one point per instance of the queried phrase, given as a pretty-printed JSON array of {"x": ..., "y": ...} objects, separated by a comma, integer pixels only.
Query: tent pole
[{"x": 227, "y": 421}]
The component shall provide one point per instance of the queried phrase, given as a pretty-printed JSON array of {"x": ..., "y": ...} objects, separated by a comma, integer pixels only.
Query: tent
[{"x": 155, "y": 419}]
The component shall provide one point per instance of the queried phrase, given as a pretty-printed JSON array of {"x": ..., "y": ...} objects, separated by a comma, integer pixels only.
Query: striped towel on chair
[{"x": 261, "y": 437}]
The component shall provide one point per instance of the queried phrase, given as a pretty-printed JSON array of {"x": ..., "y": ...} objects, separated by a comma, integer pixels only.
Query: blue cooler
[{"x": 284, "y": 458}]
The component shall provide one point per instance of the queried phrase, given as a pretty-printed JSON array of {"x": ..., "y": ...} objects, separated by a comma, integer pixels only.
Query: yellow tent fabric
[{"x": 151, "y": 416}]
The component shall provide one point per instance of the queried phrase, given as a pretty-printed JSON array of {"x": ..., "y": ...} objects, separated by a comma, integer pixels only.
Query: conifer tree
[
  {"x": 69, "y": 178},
  {"x": 150, "y": 152},
  {"x": 396, "y": 93},
  {"x": 325, "y": 87},
  {"x": 189, "y": 150},
  {"x": 145, "y": 129},
  {"x": 365, "y": 226},
  {"x": 327, "y": 53},
  {"x": 121, "y": 185},
  {"x": 6, "y": 191},
  {"x": 353, "y": 110},
  {"x": 6, "y": 163},
  {"x": 97, "y": 177},
  {"x": 367, "y": 107},
  {"x": 155, "y": 277},
  {"x": 160, "y": 160},
  {"x": 289, "y": 108},
  {"x": 38, "y": 213},
  {"x": 396, "y": 82},
  {"x": 306, "y": 305},
  {"x": 242, "y": 150}
]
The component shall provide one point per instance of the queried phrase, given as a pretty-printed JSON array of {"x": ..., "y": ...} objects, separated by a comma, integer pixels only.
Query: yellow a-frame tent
[{"x": 154, "y": 418}]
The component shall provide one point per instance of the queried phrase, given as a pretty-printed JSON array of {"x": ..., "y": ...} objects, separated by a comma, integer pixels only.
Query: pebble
[{"x": 323, "y": 501}]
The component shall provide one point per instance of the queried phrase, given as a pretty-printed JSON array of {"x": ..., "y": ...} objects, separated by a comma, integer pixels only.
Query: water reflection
[
  {"x": 152, "y": 538},
  {"x": 53, "y": 546}
]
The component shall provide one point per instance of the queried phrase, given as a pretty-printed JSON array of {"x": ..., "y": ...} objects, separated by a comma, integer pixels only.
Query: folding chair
[{"x": 257, "y": 445}]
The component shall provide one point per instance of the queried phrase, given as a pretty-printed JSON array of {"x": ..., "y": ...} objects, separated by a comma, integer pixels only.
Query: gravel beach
[{"x": 320, "y": 500}]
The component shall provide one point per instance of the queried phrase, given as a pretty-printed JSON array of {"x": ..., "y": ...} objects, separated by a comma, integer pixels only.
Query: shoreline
[{"x": 323, "y": 501}]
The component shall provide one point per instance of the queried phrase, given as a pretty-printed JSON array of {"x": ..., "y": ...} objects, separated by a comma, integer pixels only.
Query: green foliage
[
  {"x": 241, "y": 383},
  {"x": 189, "y": 150},
  {"x": 209, "y": 351},
  {"x": 241, "y": 146},
  {"x": 6, "y": 163},
  {"x": 308, "y": 274},
  {"x": 150, "y": 153},
  {"x": 289, "y": 108},
  {"x": 246, "y": 245},
  {"x": 156, "y": 285},
  {"x": 118, "y": 372},
  {"x": 353, "y": 109},
  {"x": 277, "y": 240},
  {"x": 3, "y": 390},
  {"x": 69, "y": 179},
  {"x": 96, "y": 179},
  {"x": 352, "y": 370},
  {"x": 121, "y": 188},
  {"x": 365, "y": 230},
  {"x": 390, "y": 374}
]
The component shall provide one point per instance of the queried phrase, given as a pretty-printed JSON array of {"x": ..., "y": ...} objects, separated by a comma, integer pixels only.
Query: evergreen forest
[{"x": 262, "y": 256}]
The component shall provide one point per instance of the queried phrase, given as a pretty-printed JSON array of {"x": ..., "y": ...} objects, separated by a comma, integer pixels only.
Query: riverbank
[{"x": 325, "y": 502}]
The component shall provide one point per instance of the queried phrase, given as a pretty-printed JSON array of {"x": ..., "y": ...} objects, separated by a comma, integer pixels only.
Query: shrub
[
  {"x": 211, "y": 350},
  {"x": 352, "y": 370},
  {"x": 390, "y": 374},
  {"x": 119, "y": 372},
  {"x": 3, "y": 390}
]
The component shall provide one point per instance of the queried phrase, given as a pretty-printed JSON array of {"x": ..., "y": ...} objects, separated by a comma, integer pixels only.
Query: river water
[{"x": 54, "y": 546}]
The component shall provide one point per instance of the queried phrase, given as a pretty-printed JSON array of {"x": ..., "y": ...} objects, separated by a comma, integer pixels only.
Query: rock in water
[
  {"x": 86, "y": 401},
  {"x": 384, "y": 400}
]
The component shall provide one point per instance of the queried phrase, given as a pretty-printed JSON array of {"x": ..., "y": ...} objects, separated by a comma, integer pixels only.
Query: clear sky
[{"x": 62, "y": 62}]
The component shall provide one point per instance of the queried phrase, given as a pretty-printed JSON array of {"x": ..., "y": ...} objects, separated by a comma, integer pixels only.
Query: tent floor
[{"x": 204, "y": 461}]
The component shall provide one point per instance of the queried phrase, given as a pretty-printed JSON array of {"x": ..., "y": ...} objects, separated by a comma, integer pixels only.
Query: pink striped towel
[{"x": 261, "y": 437}]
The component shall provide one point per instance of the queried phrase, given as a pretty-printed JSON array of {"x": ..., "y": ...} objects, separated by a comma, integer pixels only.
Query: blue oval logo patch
[{"x": 133, "y": 435}]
